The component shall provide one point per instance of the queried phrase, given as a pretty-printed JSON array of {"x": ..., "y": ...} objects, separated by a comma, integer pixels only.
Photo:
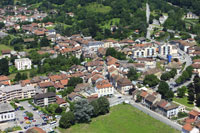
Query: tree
[
  {"x": 198, "y": 100},
  {"x": 18, "y": 77},
  {"x": 164, "y": 90},
  {"x": 51, "y": 89},
  {"x": 4, "y": 68},
  {"x": 191, "y": 97},
  {"x": 151, "y": 80},
  {"x": 74, "y": 81},
  {"x": 165, "y": 76},
  {"x": 44, "y": 42},
  {"x": 83, "y": 111},
  {"x": 132, "y": 74},
  {"x": 96, "y": 107},
  {"x": 139, "y": 98},
  {"x": 1, "y": 25},
  {"x": 29, "y": 115},
  {"x": 58, "y": 110},
  {"x": 104, "y": 105},
  {"x": 67, "y": 120},
  {"x": 181, "y": 91}
]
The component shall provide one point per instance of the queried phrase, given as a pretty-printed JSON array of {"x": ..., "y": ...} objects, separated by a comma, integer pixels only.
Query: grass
[
  {"x": 4, "y": 47},
  {"x": 122, "y": 119},
  {"x": 98, "y": 8},
  {"x": 111, "y": 22},
  {"x": 183, "y": 101}
]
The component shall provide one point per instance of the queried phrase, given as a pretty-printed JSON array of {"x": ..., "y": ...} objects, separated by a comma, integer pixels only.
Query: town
[{"x": 50, "y": 81}]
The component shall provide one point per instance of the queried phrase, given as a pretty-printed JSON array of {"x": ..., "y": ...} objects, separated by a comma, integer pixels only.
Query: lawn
[
  {"x": 122, "y": 119},
  {"x": 98, "y": 8},
  {"x": 183, "y": 101},
  {"x": 4, "y": 47}
]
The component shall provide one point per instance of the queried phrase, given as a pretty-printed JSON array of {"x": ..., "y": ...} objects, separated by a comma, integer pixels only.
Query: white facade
[
  {"x": 105, "y": 91},
  {"x": 23, "y": 64},
  {"x": 7, "y": 112},
  {"x": 171, "y": 113}
]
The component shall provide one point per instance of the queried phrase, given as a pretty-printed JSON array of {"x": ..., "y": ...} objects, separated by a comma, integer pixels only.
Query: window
[
  {"x": 168, "y": 49},
  {"x": 142, "y": 53},
  {"x": 147, "y": 52},
  {"x": 137, "y": 53},
  {"x": 152, "y": 51},
  {"x": 164, "y": 50}
]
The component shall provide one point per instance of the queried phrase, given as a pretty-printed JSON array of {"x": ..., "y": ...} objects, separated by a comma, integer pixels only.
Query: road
[{"x": 188, "y": 61}]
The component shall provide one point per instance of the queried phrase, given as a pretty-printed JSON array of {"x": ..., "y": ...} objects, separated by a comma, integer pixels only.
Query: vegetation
[
  {"x": 122, "y": 118},
  {"x": 132, "y": 74},
  {"x": 82, "y": 112},
  {"x": 165, "y": 91},
  {"x": 151, "y": 80},
  {"x": 181, "y": 91},
  {"x": 112, "y": 52},
  {"x": 167, "y": 75},
  {"x": 183, "y": 101},
  {"x": 4, "y": 69},
  {"x": 186, "y": 75},
  {"x": 12, "y": 129}
]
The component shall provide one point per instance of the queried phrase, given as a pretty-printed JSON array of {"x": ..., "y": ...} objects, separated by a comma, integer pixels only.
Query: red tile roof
[
  {"x": 4, "y": 78},
  {"x": 60, "y": 100},
  {"x": 187, "y": 127}
]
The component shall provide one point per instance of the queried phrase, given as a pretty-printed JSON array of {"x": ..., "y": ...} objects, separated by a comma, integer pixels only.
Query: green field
[
  {"x": 122, "y": 119},
  {"x": 4, "y": 47},
  {"x": 183, "y": 101},
  {"x": 98, "y": 8}
]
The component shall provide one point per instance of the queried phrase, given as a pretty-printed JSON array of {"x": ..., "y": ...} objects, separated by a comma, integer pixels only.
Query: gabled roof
[{"x": 187, "y": 127}]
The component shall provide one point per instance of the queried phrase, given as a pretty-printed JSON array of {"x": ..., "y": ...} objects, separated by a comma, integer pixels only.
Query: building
[
  {"x": 167, "y": 49},
  {"x": 104, "y": 88},
  {"x": 23, "y": 64},
  {"x": 191, "y": 15},
  {"x": 167, "y": 109},
  {"x": 45, "y": 99},
  {"x": 7, "y": 112},
  {"x": 9, "y": 93},
  {"x": 124, "y": 85}
]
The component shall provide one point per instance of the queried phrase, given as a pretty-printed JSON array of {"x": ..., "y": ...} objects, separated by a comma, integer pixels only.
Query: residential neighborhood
[{"x": 50, "y": 80}]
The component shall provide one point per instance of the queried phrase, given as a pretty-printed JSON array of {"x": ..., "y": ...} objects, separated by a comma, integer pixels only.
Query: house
[
  {"x": 61, "y": 102},
  {"x": 4, "y": 80},
  {"x": 74, "y": 97},
  {"x": 45, "y": 99},
  {"x": 191, "y": 15},
  {"x": 104, "y": 88},
  {"x": 184, "y": 45},
  {"x": 6, "y": 53},
  {"x": 124, "y": 85},
  {"x": 167, "y": 109},
  {"x": 7, "y": 112},
  {"x": 188, "y": 128},
  {"x": 149, "y": 101},
  {"x": 23, "y": 64},
  {"x": 45, "y": 85}
]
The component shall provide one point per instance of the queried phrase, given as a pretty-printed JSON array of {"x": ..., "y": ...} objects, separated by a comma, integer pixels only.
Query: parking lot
[{"x": 37, "y": 120}]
